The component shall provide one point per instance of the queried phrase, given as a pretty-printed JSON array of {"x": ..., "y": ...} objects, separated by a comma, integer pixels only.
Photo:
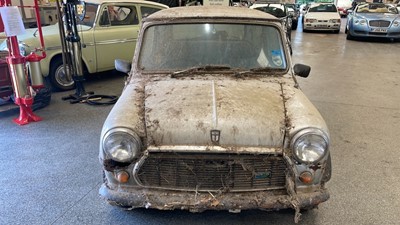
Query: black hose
[{"x": 99, "y": 99}]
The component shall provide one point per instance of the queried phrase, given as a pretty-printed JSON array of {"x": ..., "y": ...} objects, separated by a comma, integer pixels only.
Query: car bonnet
[{"x": 246, "y": 112}]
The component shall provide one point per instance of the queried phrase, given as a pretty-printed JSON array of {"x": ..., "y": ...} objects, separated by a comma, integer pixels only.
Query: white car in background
[{"x": 322, "y": 16}]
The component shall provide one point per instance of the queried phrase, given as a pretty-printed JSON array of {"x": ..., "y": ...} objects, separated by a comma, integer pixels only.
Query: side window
[
  {"x": 146, "y": 11},
  {"x": 117, "y": 15}
]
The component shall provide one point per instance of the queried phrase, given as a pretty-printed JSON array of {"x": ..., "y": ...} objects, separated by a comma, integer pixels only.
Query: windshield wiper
[
  {"x": 197, "y": 69},
  {"x": 266, "y": 69},
  {"x": 271, "y": 70}
]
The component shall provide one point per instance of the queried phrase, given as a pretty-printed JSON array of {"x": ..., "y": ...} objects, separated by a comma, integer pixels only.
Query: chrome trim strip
[
  {"x": 214, "y": 104},
  {"x": 52, "y": 48},
  {"x": 215, "y": 149},
  {"x": 115, "y": 41}
]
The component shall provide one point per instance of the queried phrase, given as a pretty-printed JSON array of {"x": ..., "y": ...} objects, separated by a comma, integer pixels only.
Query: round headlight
[
  {"x": 310, "y": 145},
  {"x": 396, "y": 23},
  {"x": 121, "y": 145}
]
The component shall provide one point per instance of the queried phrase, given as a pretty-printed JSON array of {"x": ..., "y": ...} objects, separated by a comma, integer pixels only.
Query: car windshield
[
  {"x": 323, "y": 8},
  {"x": 273, "y": 9},
  {"x": 176, "y": 47},
  {"x": 377, "y": 8},
  {"x": 90, "y": 15}
]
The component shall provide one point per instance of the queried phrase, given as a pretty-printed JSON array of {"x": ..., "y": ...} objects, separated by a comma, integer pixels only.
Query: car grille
[
  {"x": 379, "y": 23},
  {"x": 323, "y": 21},
  {"x": 212, "y": 172}
]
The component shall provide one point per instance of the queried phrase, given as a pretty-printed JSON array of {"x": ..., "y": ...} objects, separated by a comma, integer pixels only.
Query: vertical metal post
[{"x": 17, "y": 66}]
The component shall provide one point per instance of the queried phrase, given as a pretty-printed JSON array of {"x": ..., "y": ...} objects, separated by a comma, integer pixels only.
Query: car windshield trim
[{"x": 183, "y": 46}]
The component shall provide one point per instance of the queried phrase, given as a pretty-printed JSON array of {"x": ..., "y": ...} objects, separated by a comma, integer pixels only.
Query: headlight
[
  {"x": 121, "y": 145},
  {"x": 335, "y": 21},
  {"x": 311, "y": 20},
  {"x": 310, "y": 145},
  {"x": 396, "y": 23},
  {"x": 361, "y": 22}
]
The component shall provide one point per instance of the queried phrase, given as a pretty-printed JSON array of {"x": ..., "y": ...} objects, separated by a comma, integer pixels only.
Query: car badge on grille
[{"x": 215, "y": 135}]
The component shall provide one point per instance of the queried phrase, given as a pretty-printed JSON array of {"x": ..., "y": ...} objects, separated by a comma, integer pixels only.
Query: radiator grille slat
[
  {"x": 212, "y": 171},
  {"x": 379, "y": 23}
]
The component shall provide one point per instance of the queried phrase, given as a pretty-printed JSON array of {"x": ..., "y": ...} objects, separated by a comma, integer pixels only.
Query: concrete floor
[{"x": 50, "y": 174}]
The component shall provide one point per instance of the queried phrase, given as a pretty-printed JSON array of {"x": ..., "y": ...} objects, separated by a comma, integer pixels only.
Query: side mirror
[
  {"x": 81, "y": 10},
  {"x": 122, "y": 66},
  {"x": 349, "y": 11},
  {"x": 301, "y": 70}
]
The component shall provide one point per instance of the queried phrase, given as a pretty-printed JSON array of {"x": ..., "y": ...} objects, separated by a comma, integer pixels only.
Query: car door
[{"x": 115, "y": 34}]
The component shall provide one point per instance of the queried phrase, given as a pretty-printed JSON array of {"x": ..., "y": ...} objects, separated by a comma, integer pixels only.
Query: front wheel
[
  {"x": 58, "y": 78},
  {"x": 349, "y": 36}
]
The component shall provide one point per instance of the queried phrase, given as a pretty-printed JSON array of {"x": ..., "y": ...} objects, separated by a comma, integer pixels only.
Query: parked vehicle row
[{"x": 101, "y": 33}]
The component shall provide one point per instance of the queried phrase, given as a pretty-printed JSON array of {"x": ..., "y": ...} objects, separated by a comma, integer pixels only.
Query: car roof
[
  {"x": 321, "y": 3},
  {"x": 122, "y": 1},
  {"x": 210, "y": 12},
  {"x": 259, "y": 5}
]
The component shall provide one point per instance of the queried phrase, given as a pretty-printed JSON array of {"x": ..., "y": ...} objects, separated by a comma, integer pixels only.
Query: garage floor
[{"x": 50, "y": 174}]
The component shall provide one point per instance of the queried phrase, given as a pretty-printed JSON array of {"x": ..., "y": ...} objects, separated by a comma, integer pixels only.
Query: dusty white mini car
[{"x": 212, "y": 117}]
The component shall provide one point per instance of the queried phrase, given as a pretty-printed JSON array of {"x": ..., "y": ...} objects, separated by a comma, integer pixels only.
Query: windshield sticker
[
  {"x": 262, "y": 59},
  {"x": 277, "y": 57}
]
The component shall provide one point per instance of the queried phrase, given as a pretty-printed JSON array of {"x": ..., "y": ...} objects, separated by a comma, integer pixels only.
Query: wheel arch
[{"x": 53, "y": 58}]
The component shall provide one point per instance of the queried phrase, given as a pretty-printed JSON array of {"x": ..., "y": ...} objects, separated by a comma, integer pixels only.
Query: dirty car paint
[{"x": 229, "y": 138}]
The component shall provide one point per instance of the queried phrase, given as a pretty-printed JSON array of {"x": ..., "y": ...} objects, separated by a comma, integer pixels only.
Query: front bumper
[
  {"x": 198, "y": 202},
  {"x": 321, "y": 26},
  {"x": 367, "y": 33}
]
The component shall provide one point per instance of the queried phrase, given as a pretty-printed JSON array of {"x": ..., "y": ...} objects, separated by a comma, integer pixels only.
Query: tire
[
  {"x": 349, "y": 36},
  {"x": 58, "y": 79}
]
